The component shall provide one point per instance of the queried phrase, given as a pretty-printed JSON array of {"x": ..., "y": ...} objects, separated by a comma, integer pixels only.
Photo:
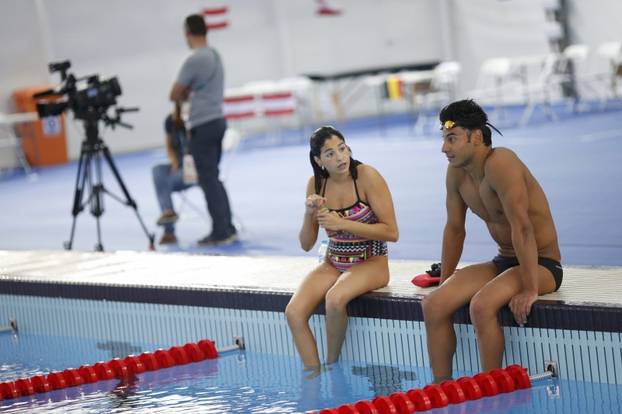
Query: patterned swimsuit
[{"x": 347, "y": 249}]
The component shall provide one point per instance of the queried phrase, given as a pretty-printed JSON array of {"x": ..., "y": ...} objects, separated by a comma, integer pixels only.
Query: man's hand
[
  {"x": 520, "y": 305},
  {"x": 330, "y": 220},
  {"x": 313, "y": 204},
  {"x": 178, "y": 122},
  {"x": 174, "y": 164}
]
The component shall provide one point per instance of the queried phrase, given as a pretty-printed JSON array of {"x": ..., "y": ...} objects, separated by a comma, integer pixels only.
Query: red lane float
[
  {"x": 149, "y": 361},
  {"x": 384, "y": 405},
  {"x": 402, "y": 403},
  {"x": 366, "y": 407},
  {"x": 115, "y": 368},
  {"x": 88, "y": 374},
  {"x": 485, "y": 384},
  {"x": 103, "y": 371}
]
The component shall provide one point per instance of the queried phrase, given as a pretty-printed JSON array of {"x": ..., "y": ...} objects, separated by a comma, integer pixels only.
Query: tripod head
[
  {"x": 89, "y": 98},
  {"x": 115, "y": 119}
]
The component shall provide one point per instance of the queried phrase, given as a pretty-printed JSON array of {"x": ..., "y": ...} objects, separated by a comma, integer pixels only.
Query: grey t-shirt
[{"x": 202, "y": 73}]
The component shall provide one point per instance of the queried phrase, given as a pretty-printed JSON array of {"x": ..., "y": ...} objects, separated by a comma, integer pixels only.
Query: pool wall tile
[{"x": 381, "y": 330}]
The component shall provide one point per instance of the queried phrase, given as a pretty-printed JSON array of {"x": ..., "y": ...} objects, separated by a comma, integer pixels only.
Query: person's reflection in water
[
  {"x": 310, "y": 390},
  {"x": 124, "y": 392},
  {"x": 119, "y": 349},
  {"x": 383, "y": 379}
]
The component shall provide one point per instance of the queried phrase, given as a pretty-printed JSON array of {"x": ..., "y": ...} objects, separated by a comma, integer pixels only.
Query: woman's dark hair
[
  {"x": 316, "y": 142},
  {"x": 195, "y": 25},
  {"x": 469, "y": 115}
]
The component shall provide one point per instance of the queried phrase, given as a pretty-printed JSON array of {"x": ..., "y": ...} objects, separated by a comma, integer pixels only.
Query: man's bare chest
[{"x": 482, "y": 199}]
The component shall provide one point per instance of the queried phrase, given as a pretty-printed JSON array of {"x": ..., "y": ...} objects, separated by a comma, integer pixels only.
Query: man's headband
[{"x": 450, "y": 124}]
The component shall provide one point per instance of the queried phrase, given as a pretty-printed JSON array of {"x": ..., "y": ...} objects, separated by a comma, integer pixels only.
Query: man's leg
[
  {"x": 485, "y": 306},
  {"x": 206, "y": 148},
  {"x": 438, "y": 310}
]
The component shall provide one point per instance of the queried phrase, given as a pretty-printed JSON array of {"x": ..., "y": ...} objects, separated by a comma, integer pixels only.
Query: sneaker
[
  {"x": 168, "y": 238},
  {"x": 168, "y": 217},
  {"x": 218, "y": 241}
]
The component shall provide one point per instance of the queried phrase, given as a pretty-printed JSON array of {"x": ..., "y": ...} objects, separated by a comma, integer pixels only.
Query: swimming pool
[
  {"x": 268, "y": 377},
  {"x": 251, "y": 382}
]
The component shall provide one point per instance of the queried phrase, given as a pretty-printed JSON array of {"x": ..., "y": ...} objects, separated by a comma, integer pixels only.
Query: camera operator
[
  {"x": 201, "y": 81},
  {"x": 169, "y": 177}
]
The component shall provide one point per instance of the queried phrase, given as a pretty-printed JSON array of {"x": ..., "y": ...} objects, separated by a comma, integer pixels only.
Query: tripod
[{"x": 89, "y": 183}]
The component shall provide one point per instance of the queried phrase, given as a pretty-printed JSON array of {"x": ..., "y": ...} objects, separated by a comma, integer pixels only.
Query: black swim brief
[{"x": 504, "y": 263}]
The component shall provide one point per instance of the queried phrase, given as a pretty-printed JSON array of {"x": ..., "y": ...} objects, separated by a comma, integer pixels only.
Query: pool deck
[{"x": 227, "y": 281}]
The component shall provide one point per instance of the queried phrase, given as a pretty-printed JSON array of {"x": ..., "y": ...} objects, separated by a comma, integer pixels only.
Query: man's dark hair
[
  {"x": 467, "y": 114},
  {"x": 195, "y": 25}
]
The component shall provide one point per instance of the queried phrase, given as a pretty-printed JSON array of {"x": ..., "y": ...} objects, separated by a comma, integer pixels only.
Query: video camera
[{"x": 88, "y": 97}]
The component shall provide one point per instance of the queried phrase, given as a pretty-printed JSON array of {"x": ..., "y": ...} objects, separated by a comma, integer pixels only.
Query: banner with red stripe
[
  {"x": 216, "y": 17},
  {"x": 281, "y": 103},
  {"x": 240, "y": 107}
]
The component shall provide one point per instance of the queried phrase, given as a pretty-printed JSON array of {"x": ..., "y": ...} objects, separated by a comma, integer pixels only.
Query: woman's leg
[
  {"x": 359, "y": 279},
  {"x": 302, "y": 304}
]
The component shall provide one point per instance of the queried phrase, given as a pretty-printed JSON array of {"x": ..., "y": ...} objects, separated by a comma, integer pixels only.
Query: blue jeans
[
  {"x": 206, "y": 148},
  {"x": 166, "y": 181}
]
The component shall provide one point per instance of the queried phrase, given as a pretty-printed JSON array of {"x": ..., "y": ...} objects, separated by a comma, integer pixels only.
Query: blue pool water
[{"x": 248, "y": 382}]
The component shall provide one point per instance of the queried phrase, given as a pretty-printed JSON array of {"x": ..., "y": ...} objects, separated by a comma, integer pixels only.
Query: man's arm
[
  {"x": 179, "y": 93},
  {"x": 505, "y": 175},
  {"x": 454, "y": 233}
]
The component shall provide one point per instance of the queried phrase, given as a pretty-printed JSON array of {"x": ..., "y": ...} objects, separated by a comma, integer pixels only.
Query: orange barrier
[{"x": 43, "y": 141}]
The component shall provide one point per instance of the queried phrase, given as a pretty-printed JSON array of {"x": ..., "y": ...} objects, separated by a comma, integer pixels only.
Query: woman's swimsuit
[{"x": 346, "y": 249}]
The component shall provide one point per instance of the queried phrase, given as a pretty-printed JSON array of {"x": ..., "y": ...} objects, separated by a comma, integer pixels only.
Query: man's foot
[
  {"x": 168, "y": 238},
  {"x": 211, "y": 240},
  {"x": 167, "y": 217}
]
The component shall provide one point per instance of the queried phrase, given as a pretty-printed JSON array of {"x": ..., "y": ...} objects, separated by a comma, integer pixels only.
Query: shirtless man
[{"x": 498, "y": 187}]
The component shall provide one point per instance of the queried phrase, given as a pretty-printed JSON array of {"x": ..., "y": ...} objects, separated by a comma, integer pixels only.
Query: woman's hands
[
  {"x": 330, "y": 220},
  {"x": 314, "y": 203}
]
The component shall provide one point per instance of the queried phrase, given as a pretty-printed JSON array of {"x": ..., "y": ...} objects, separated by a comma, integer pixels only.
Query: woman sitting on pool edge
[{"x": 352, "y": 202}]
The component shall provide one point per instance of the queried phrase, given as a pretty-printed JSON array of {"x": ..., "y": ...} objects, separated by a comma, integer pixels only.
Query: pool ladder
[{"x": 11, "y": 327}]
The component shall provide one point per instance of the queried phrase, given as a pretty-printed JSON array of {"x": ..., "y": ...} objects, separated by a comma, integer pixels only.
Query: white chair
[
  {"x": 544, "y": 88},
  {"x": 610, "y": 52},
  {"x": 446, "y": 76},
  {"x": 495, "y": 84},
  {"x": 575, "y": 67},
  {"x": 9, "y": 140},
  {"x": 443, "y": 85}
]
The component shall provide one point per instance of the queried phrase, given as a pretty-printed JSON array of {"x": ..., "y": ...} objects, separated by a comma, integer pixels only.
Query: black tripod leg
[
  {"x": 77, "y": 207},
  {"x": 129, "y": 200},
  {"x": 97, "y": 201}
]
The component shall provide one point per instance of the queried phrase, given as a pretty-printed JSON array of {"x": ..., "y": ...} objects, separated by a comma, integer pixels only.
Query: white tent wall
[
  {"x": 593, "y": 23},
  {"x": 23, "y": 59},
  {"x": 141, "y": 42},
  {"x": 482, "y": 29}
]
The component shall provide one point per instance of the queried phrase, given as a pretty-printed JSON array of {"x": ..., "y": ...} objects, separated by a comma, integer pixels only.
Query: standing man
[
  {"x": 499, "y": 188},
  {"x": 201, "y": 81}
]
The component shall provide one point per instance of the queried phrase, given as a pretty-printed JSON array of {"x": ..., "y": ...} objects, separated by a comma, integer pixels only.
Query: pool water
[{"x": 248, "y": 382}]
